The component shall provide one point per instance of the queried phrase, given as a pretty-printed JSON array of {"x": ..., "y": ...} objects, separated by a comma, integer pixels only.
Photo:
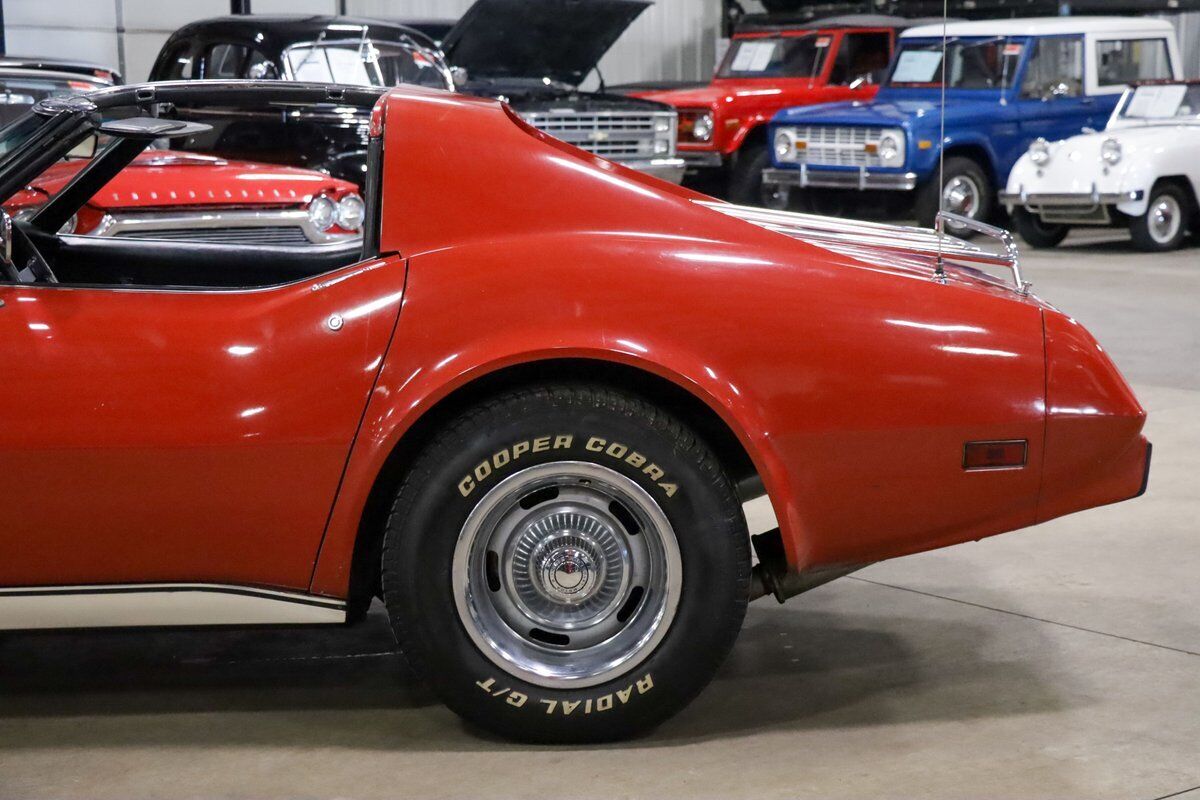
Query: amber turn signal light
[{"x": 1009, "y": 454}]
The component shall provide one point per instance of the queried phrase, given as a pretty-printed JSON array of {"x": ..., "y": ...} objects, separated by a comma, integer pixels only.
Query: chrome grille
[
  {"x": 838, "y": 145},
  {"x": 614, "y": 135},
  {"x": 272, "y": 235}
]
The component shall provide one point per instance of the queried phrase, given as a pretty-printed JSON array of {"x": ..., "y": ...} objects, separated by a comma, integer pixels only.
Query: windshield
[
  {"x": 1167, "y": 101},
  {"x": 775, "y": 57},
  {"x": 365, "y": 63},
  {"x": 970, "y": 63}
]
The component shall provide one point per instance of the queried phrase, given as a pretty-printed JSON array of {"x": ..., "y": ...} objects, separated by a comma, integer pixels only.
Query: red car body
[
  {"x": 196, "y": 195},
  {"x": 741, "y": 103},
  {"x": 228, "y": 437}
]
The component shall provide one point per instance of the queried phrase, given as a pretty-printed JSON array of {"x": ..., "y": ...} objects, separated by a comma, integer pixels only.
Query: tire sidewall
[
  {"x": 1139, "y": 227},
  {"x": 417, "y": 573},
  {"x": 1037, "y": 233}
]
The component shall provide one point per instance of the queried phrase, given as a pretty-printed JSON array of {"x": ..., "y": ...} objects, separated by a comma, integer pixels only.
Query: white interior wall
[{"x": 674, "y": 39}]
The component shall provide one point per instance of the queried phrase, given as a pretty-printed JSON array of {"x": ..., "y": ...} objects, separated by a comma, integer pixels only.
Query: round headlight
[
  {"x": 1039, "y": 152},
  {"x": 785, "y": 146},
  {"x": 351, "y": 212},
  {"x": 702, "y": 128},
  {"x": 322, "y": 213},
  {"x": 889, "y": 148},
  {"x": 1110, "y": 151}
]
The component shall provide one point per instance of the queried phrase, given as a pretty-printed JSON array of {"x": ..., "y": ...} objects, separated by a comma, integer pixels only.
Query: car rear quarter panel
[{"x": 852, "y": 388}]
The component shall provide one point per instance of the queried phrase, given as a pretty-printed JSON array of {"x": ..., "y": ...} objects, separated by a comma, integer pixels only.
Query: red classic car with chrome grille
[
  {"x": 526, "y": 409},
  {"x": 177, "y": 195},
  {"x": 165, "y": 194}
]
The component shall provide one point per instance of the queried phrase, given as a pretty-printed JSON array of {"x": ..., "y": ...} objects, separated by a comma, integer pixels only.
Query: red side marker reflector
[{"x": 1009, "y": 454}]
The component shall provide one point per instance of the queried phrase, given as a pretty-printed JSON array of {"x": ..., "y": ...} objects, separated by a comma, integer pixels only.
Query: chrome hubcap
[
  {"x": 961, "y": 196},
  {"x": 566, "y": 574},
  {"x": 1165, "y": 219}
]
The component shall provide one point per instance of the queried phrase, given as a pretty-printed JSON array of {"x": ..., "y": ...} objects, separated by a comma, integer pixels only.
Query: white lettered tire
[{"x": 566, "y": 564}]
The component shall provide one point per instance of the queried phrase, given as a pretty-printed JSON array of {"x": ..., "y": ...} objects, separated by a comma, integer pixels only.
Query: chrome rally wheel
[
  {"x": 566, "y": 574},
  {"x": 566, "y": 563}
]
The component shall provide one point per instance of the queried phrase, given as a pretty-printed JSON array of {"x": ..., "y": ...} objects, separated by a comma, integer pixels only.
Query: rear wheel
[
  {"x": 1037, "y": 233},
  {"x": 964, "y": 189},
  {"x": 1164, "y": 225},
  {"x": 567, "y": 564}
]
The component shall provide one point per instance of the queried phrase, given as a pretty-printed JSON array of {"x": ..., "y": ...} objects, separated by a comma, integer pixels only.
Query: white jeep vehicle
[{"x": 1141, "y": 171}]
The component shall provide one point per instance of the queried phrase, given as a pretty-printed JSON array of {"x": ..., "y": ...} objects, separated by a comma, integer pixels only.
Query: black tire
[
  {"x": 1147, "y": 233},
  {"x": 957, "y": 168},
  {"x": 746, "y": 186},
  {"x": 1037, "y": 233},
  {"x": 430, "y": 512}
]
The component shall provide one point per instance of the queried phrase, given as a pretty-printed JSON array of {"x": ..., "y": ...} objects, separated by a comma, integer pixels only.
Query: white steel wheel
[{"x": 1165, "y": 223}]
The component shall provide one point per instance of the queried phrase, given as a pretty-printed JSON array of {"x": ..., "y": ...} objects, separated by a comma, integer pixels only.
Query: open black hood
[{"x": 562, "y": 40}]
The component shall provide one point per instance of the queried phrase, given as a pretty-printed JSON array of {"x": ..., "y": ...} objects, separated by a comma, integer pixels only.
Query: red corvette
[{"x": 525, "y": 409}]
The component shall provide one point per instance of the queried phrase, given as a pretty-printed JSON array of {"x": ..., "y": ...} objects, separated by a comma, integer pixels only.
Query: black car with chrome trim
[{"x": 348, "y": 51}]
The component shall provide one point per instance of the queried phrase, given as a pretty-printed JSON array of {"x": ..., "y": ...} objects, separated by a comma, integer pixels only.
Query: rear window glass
[{"x": 1122, "y": 61}]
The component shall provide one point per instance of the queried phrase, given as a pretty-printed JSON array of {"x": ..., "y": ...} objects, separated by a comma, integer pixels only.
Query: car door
[
  {"x": 182, "y": 435},
  {"x": 1052, "y": 97}
]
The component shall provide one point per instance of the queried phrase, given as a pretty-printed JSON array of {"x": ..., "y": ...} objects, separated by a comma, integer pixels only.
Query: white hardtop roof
[{"x": 1043, "y": 26}]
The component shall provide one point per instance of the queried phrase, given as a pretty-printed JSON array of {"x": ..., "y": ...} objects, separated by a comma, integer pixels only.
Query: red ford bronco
[{"x": 772, "y": 65}]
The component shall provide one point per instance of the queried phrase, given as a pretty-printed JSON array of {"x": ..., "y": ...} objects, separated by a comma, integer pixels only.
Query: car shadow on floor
[{"x": 792, "y": 668}]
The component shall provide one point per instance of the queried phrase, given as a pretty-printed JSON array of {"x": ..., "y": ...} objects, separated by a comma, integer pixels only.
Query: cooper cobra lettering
[{"x": 506, "y": 457}]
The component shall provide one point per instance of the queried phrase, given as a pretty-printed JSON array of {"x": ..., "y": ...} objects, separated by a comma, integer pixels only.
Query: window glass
[
  {"x": 19, "y": 93},
  {"x": 1129, "y": 60},
  {"x": 861, "y": 55},
  {"x": 971, "y": 63},
  {"x": 259, "y": 67},
  {"x": 1055, "y": 69},
  {"x": 1169, "y": 101},
  {"x": 364, "y": 63},
  {"x": 179, "y": 64},
  {"x": 776, "y": 57},
  {"x": 225, "y": 61}
]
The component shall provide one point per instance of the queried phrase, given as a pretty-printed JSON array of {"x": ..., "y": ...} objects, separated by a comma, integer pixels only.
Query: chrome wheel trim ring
[
  {"x": 962, "y": 195},
  {"x": 571, "y": 598},
  {"x": 1165, "y": 218}
]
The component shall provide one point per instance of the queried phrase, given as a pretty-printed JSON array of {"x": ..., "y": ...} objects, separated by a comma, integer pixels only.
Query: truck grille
[
  {"x": 838, "y": 146},
  {"x": 615, "y": 135}
]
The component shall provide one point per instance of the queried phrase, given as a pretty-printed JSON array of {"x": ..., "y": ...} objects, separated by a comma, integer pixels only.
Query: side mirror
[
  {"x": 860, "y": 81},
  {"x": 460, "y": 77}
]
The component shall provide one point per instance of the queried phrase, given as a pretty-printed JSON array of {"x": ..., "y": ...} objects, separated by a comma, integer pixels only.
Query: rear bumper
[
  {"x": 669, "y": 169},
  {"x": 862, "y": 179}
]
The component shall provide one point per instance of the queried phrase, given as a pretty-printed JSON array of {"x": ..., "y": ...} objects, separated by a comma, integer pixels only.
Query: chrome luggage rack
[{"x": 876, "y": 242}]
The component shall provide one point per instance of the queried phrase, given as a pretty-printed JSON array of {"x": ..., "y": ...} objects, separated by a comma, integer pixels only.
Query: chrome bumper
[
  {"x": 669, "y": 169},
  {"x": 1080, "y": 208},
  {"x": 215, "y": 225},
  {"x": 696, "y": 160},
  {"x": 862, "y": 179}
]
